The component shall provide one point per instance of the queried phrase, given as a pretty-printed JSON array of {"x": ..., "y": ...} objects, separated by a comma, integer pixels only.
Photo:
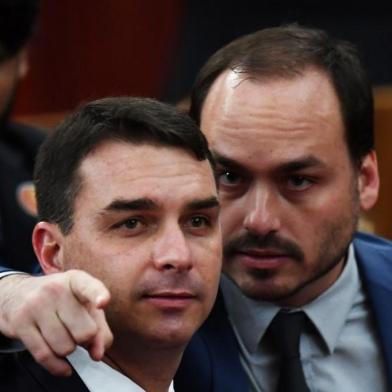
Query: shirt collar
[
  {"x": 251, "y": 318},
  {"x": 100, "y": 377},
  {"x": 337, "y": 301}
]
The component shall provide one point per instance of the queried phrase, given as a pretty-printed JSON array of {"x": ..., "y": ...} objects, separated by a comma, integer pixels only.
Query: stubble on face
[
  {"x": 298, "y": 249},
  {"x": 333, "y": 238}
]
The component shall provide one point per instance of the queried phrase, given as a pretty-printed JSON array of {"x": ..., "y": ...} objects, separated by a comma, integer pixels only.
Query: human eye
[
  {"x": 228, "y": 178},
  {"x": 133, "y": 225},
  {"x": 199, "y": 224},
  {"x": 299, "y": 183}
]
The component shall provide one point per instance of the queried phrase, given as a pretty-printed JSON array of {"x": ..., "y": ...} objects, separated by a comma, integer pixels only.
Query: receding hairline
[{"x": 240, "y": 76}]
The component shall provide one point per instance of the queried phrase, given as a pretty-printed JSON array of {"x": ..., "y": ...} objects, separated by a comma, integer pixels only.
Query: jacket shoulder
[
  {"x": 19, "y": 373},
  {"x": 374, "y": 257},
  {"x": 373, "y": 244}
]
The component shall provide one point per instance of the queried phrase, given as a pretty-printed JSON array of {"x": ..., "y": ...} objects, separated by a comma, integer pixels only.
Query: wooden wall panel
[
  {"x": 381, "y": 215},
  {"x": 93, "y": 48}
]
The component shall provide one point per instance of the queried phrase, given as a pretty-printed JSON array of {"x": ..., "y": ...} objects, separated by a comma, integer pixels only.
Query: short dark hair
[
  {"x": 133, "y": 120},
  {"x": 285, "y": 52},
  {"x": 17, "y": 23}
]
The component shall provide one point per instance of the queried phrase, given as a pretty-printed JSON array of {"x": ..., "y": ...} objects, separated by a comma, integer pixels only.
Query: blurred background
[{"x": 88, "y": 49}]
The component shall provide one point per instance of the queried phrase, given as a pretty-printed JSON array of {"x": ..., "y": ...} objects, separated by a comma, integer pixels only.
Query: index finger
[
  {"x": 103, "y": 339},
  {"x": 87, "y": 289}
]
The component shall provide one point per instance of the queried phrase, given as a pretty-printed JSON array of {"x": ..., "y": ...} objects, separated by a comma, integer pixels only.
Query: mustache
[{"x": 271, "y": 241}]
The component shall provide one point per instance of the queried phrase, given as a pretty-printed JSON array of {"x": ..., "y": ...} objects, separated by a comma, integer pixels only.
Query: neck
[
  {"x": 313, "y": 289},
  {"x": 151, "y": 367}
]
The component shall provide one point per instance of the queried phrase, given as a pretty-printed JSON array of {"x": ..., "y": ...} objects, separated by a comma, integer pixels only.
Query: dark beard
[{"x": 334, "y": 238}]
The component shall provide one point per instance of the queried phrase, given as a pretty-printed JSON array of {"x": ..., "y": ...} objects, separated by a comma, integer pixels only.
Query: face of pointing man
[{"x": 146, "y": 224}]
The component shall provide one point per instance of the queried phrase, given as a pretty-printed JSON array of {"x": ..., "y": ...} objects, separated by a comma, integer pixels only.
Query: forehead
[
  {"x": 263, "y": 117},
  {"x": 120, "y": 170}
]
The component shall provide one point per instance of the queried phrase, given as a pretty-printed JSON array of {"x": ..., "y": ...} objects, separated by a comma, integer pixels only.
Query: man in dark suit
[
  {"x": 126, "y": 192},
  {"x": 288, "y": 113}
]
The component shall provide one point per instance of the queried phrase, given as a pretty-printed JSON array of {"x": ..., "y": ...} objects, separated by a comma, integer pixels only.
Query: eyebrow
[
  {"x": 145, "y": 204},
  {"x": 302, "y": 163},
  {"x": 224, "y": 161},
  {"x": 291, "y": 166},
  {"x": 141, "y": 204},
  {"x": 211, "y": 202}
]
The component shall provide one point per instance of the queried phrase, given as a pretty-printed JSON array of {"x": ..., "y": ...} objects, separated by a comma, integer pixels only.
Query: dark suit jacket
[
  {"x": 20, "y": 373},
  {"x": 18, "y": 147},
  {"x": 211, "y": 362}
]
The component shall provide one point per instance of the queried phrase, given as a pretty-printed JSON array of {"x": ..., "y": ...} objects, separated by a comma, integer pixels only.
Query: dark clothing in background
[
  {"x": 20, "y": 373},
  {"x": 18, "y": 147}
]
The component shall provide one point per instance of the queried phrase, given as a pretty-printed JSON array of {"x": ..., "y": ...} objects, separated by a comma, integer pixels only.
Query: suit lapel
[
  {"x": 211, "y": 361},
  {"x": 375, "y": 266},
  {"x": 228, "y": 373},
  {"x": 46, "y": 380}
]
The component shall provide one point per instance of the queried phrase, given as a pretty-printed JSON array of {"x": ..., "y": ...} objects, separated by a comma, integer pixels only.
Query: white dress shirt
[
  {"x": 100, "y": 377},
  {"x": 6, "y": 273}
]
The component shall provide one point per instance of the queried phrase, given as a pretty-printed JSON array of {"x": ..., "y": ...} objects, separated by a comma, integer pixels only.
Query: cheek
[
  {"x": 209, "y": 259},
  {"x": 122, "y": 279},
  {"x": 103, "y": 262},
  {"x": 232, "y": 216},
  {"x": 215, "y": 264},
  {"x": 334, "y": 207}
]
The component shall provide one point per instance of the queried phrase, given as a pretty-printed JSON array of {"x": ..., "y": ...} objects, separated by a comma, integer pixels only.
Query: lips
[
  {"x": 263, "y": 258},
  {"x": 170, "y": 300}
]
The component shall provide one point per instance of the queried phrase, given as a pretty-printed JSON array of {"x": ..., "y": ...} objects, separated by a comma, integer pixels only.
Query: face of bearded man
[{"x": 289, "y": 191}]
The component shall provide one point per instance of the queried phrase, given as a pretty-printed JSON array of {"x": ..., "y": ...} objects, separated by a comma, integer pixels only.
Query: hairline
[
  {"x": 256, "y": 76},
  {"x": 77, "y": 180}
]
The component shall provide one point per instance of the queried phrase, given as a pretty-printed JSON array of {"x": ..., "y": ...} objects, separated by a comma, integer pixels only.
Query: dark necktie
[{"x": 285, "y": 331}]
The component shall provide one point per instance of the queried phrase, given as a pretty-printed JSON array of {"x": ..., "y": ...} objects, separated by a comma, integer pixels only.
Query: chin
[
  {"x": 173, "y": 339},
  {"x": 268, "y": 290},
  {"x": 176, "y": 331}
]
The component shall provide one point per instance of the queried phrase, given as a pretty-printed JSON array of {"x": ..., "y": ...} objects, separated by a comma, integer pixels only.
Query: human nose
[
  {"x": 262, "y": 211},
  {"x": 171, "y": 250}
]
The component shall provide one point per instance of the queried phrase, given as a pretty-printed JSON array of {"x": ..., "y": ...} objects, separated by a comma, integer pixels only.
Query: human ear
[
  {"x": 368, "y": 181},
  {"x": 47, "y": 244}
]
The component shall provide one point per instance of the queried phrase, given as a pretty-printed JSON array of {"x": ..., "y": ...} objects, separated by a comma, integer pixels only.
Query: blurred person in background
[
  {"x": 18, "y": 143},
  {"x": 18, "y": 147}
]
